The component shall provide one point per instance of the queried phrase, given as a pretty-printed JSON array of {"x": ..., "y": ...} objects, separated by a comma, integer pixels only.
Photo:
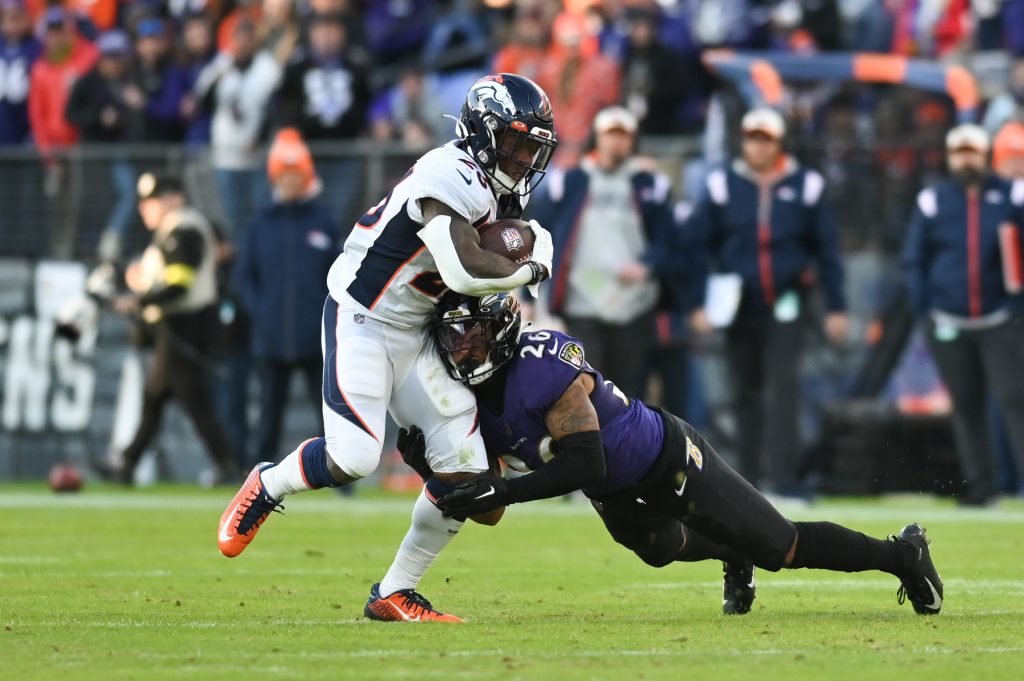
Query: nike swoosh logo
[
  {"x": 468, "y": 181},
  {"x": 679, "y": 492},
  {"x": 936, "y": 598},
  {"x": 402, "y": 614},
  {"x": 221, "y": 532},
  {"x": 487, "y": 493}
]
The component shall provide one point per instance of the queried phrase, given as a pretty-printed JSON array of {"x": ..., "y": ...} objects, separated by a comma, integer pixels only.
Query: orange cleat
[
  {"x": 406, "y": 605},
  {"x": 242, "y": 518}
]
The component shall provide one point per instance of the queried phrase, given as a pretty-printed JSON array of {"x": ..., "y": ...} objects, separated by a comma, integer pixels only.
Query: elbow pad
[{"x": 436, "y": 234}]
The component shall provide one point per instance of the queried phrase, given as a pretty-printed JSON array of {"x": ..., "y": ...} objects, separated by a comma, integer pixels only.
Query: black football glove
[
  {"x": 413, "y": 449},
  {"x": 473, "y": 497}
]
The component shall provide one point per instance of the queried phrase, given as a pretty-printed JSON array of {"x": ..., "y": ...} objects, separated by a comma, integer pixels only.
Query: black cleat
[
  {"x": 738, "y": 592},
  {"x": 920, "y": 581}
]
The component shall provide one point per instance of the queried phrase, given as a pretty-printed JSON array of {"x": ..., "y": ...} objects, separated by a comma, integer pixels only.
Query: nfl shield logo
[{"x": 513, "y": 239}]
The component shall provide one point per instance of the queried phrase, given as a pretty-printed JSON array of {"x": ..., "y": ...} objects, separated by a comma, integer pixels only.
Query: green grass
[{"x": 129, "y": 585}]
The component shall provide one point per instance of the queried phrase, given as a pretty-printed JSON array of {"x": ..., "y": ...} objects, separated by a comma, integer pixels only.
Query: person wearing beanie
[{"x": 281, "y": 277}]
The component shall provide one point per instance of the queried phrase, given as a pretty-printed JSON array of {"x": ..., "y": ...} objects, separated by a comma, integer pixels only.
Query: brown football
[
  {"x": 510, "y": 238},
  {"x": 65, "y": 478}
]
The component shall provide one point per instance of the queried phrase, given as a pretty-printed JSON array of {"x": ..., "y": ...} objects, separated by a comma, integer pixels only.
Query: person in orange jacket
[{"x": 66, "y": 57}]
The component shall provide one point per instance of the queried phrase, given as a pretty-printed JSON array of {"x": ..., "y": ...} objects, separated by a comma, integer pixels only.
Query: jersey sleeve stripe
[
  {"x": 334, "y": 396},
  {"x": 302, "y": 468}
]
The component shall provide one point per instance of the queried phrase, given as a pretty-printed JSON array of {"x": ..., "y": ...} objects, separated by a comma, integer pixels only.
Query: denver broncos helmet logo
[{"x": 492, "y": 90}]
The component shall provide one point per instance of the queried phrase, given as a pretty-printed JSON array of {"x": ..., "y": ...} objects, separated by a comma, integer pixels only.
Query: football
[
  {"x": 65, "y": 478},
  {"x": 510, "y": 238}
]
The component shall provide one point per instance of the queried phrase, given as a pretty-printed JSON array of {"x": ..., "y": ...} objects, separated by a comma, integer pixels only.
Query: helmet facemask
[
  {"x": 475, "y": 338},
  {"x": 522, "y": 155}
]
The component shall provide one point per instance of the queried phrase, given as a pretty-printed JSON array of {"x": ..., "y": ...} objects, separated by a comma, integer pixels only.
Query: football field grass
[{"x": 110, "y": 584}]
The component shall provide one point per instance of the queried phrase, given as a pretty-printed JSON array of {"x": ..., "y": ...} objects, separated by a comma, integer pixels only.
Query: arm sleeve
[
  {"x": 579, "y": 463},
  {"x": 830, "y": 261},
  {"x": 183, "y": 252}
]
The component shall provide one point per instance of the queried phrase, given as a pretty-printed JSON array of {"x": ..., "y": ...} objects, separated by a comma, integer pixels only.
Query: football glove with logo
[{"x": 473, "y": 497}]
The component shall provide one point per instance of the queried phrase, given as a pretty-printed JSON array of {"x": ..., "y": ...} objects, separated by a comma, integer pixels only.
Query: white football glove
[{"x": 543, "y": 252}]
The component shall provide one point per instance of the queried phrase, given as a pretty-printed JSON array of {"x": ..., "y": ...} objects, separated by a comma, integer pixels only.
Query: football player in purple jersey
[{"x": 660, "y": 488}]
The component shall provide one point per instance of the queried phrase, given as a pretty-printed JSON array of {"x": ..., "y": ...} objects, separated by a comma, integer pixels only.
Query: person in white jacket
[{"x": 237, "y": 86}]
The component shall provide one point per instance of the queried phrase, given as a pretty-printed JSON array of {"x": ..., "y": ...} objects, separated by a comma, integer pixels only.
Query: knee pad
[{"x": 357, "y": 456}]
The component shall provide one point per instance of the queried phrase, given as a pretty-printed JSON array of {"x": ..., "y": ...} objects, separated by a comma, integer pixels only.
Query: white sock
[
  {"x": 286, "y": 477},
  {"x": 430, "y": 532}
]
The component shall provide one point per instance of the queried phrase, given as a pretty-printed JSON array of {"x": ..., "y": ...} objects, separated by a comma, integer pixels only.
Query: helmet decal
[{"x": 496, "y": 92}]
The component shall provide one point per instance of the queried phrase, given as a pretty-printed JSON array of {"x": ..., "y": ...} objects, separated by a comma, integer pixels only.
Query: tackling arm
[
  {"x": 579, "y": 463},
  {"x": 467, "y": 268}
]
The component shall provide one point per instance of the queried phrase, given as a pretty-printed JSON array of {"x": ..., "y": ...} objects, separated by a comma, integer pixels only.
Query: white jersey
[{"x": 385, "y": 269}]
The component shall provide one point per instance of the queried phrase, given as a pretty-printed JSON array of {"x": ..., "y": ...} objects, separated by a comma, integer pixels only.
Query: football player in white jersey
[{"x": 402, "y": 255}]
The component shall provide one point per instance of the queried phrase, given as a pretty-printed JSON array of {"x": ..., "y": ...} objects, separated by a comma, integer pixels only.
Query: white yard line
[
  {"x": 685, "y": 650},
  {"x": 899, "y": 511}
]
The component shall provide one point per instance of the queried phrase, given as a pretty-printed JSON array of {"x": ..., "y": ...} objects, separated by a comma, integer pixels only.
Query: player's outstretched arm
[
  {"x": 578, "y": 463},
  {"x": 464, "y": 266}
]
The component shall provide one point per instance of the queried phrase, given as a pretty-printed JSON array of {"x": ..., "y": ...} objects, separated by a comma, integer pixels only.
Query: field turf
[{"x": 110, "y": 584}]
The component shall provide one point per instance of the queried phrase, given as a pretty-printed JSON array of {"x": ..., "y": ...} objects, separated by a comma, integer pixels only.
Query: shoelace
[
  {"x": 415, "y": 599},
  {"x": 920, "y": 590},
  {"x": 260, "y": 506}
]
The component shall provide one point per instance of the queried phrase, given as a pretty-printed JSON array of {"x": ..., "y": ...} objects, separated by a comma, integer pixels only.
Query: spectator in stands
[
  {"x": 66, "y": 57},
  {"x": 324, "y": 94},
  {"x": 527, "y": 46},
  {"x": 766, "y": 219},
  {"x": 615, "y": 242},
  {"x": 159, "y": 81},
  {"x": 279, "y": 29},
  {"x": 396, "y": 31},
  {"x": 1007, "y": 105},
  {"x": 237, "y": 87},
  {"x": 654, "y": 81},
  {"x": 281, "y": 276},
  {"x": 579, "y": 82},
  {"x": 174, "y": 290},
  {"x": 457, "y": 38},
  {"x": 324, "y": 91},
  {"x": 411, "y": 112},
  {"x": 963, "y": 262},
  {"x": 106, "y": 107},
  {"x": 1008, "y": 152},
  {"x": 197, "y": 51},
  {"x": 18, "y": 51},
  {"x": 100, "y": 14}
]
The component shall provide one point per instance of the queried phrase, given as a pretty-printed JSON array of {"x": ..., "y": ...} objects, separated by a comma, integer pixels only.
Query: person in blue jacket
[
  {"x": 767, "y": 220},
  {"x": 281, "y": 277},
  {"x": 617, "y": 251},
  {"x": 963, "y": 264}
]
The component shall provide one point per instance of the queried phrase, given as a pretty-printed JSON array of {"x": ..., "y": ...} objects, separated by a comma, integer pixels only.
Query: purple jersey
[{"x": 545, "y": 364}]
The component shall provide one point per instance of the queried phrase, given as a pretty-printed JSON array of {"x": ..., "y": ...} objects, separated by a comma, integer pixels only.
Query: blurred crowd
[{"x": 226, "y": 72}]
